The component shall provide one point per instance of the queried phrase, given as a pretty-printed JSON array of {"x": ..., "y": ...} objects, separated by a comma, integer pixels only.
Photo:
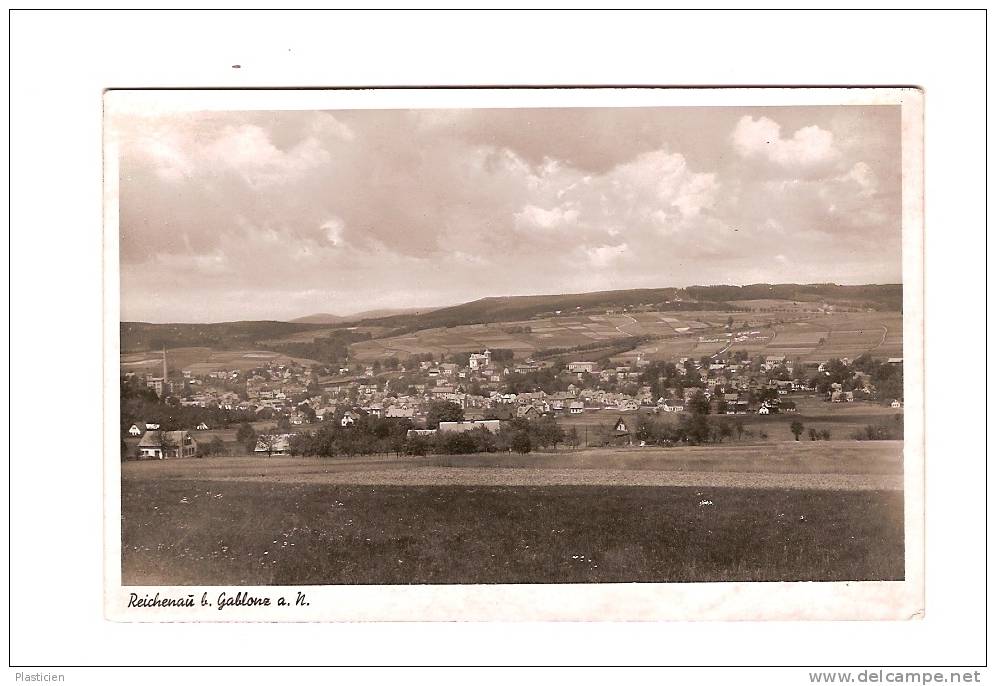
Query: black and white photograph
[{"x": 510, "y": 345}]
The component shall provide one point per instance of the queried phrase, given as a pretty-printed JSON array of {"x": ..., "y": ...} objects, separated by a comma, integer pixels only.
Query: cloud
[
  {"x": 605, "y": 255},
  {"x": 320, "y": 211},
  {"x": 533, "y": 217},
  {"x": 809, "y": 146}
]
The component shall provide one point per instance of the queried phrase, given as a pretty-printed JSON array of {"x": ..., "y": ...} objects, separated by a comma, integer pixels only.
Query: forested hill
[
  {"x": 136, "y": 336},
  {"x": 511, "y": 308}
]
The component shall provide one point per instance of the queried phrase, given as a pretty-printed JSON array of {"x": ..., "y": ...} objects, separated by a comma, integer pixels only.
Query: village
[{"x": 482, "y": 390}]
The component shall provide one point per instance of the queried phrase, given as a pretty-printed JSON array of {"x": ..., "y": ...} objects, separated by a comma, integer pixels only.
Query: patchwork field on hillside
[{"x": 807, "y": 335}]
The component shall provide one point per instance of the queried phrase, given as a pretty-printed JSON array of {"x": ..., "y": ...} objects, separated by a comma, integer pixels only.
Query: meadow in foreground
[{"x": 196, "y": 532}]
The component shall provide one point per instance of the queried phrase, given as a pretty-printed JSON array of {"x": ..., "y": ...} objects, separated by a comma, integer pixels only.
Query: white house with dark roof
[{"x": 163, "y": 445}]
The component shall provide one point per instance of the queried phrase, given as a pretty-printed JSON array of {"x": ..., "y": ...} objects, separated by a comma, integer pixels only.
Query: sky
[{"x": 278, "y": 214}]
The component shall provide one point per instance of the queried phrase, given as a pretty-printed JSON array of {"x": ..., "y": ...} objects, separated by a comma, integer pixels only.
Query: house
[
  {"x": 202, "y": 427},
  {"x": 526, "y": 412},
  {"x": 621, "y": 432},
  {"x": 673, "y": 405},
  {"x": 764, "y": 410},
  {"x": 134, "y": 430},
  {"x": 420, "y": 433},
  {"x": 896, "y": 404},
  {"x": 492, "y": 425},
  {"x": 348, "y": 418},
  {"x": 581, "y": 367},
  {"x": 162, "y": 445},
  {"x": 576, "y": 407},
  {"x": 274, "y": 444},
  {"x": 396, "y": 412}
]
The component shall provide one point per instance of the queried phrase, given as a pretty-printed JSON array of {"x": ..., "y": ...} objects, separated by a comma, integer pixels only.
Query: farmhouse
[
  {"x": 162, "y": 445},
  {"x": 274, "y": 444},
  {"x": 576, "y": 407},
  {"x": 672, "y": 405},
  {"x": 621, "y": 432},
  {"x": 134, "y": 430}
]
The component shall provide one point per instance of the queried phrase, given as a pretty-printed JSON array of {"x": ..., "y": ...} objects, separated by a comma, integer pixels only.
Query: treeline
[
  {"x": 137, "y": 336},
  {"x": 878, "y": 296},
  {"x": 884, "y": 431},
  {"x": 603, "y": 349},
  {"x": 372, "y": 435},
  {"x": 691, "y": 429},
  {"x": 332, "y": 348}
]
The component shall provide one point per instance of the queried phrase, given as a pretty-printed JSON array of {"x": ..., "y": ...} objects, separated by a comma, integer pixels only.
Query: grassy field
[{"x": 199, "y": 532}]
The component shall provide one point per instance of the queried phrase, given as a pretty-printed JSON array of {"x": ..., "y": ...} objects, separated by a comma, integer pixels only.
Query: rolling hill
[
  {"x": 326, "y": 318},
  {"x": 693, "y": 298},
  {"x": 139, "y": 336}
]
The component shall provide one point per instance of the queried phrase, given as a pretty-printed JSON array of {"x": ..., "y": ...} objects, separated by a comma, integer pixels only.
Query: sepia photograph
[
  {"x": 508, "y": 345},
  {"x": 475, "y": 339}
]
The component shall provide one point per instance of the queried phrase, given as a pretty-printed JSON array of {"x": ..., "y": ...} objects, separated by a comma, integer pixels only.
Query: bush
[{"x": 521, "y": 443}]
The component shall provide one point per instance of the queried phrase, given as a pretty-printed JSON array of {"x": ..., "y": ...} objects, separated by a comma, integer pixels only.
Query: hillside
[
  {"x": 692, "y": 298},
  {"x": 326, "y": 318},
  {"x": 139, "y": 336},
  {"x": 319, "y": 318}
]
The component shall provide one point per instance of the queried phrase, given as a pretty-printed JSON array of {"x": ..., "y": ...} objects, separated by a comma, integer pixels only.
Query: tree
[
  {"x": 215, "y": 447},
  {"x": 283, "y": 424},
  {"x": 740, "y": 428},
  {"x": 245, "y": 432},
  {"x": 573, "y": 438},
  {"x": 442, "y": 411},
  {"x": 813, "y": 434},
  {"x": 246, "y": 435},
  {"x": 825, "y": 434},
  {"x": 725, "y": 430},
  {"x": 166, "y": 443},
  {"x": 521, "y": 443},
  {"x": 796, "y": 428},
  {"x": 698, "y": 404}
]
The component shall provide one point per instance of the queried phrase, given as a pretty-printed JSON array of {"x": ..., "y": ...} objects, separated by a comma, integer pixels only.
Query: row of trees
[{"x": 371, "y": 435}]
